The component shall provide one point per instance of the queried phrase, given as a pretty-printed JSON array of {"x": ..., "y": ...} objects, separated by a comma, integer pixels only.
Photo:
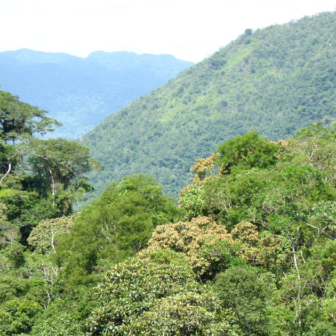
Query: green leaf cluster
[
  {"x": 148, "y": 297},
  {"x": 114, "y": 227}
]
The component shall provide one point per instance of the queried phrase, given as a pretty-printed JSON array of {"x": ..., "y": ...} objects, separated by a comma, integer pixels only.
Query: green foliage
[
  {"x": 59, "y": 167},
  {"x": 67, "y": 316},
  {"x": 18, "y": 123},
  {"x": 58, "y": 324},
  {"x": 18, "y": 119},
  {"x": 256, "y": 254},
  {"x": 43, "y": 238},
  {"x": 14, "y": 253},
  {"x": 281, "y": 194},
  {"x": 39, "y": 179},
  {"x": 151, "y": 296},
  {"x": 12, "y": 287},
  {"x": 245, "y": 152},
  {"x": 205, "y": 244},
  {"x": 17, "y": 316},
  {"x": 275, "y": 81},
  {"x": 115, "y": 226},
  {"x": 60, "y": 162},
  {"x": 291, "y": 205},
  {"x": 187, "y": 313},
  {"x": 133, "y": 288},
  {"x": 315, "y": 146},
  {"x": 248, "y": 292},
  {"x": 323, "y": 219}
]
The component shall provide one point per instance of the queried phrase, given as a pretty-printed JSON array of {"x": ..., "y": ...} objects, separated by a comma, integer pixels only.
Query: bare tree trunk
[
  {"x": 7, "y": 173},
  {"x": 53, "y": 187},
  {"x": 52, "y": 243}
]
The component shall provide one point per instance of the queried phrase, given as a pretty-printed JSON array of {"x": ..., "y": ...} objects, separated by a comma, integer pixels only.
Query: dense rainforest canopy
[
  {"x": 275, "y": 80},
  {"x": 250, "y": 248}
]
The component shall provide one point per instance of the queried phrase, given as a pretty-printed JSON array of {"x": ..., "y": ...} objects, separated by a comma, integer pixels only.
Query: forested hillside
[
  {"x": 249, "y": 251},
  {"x": 81, "y": 92},
  {"x": 250, "y": 248},
  {"x": 275, "y": 80}
]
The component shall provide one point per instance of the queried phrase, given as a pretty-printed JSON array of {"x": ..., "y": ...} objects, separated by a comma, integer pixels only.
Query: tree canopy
[
  {"x": 250, "y": 249},
  {"x": 19, "y": 119},
  {"x": 40, "y": 179},
  {"x": 116, "y": 226}
]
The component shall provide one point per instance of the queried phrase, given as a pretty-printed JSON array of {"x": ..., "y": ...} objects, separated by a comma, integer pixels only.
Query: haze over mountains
[
  {"x": 275, "y": 80},
  {"x": 81, "y": 92}
]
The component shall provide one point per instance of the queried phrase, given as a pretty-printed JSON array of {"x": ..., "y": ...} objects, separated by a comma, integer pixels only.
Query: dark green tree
[
  {"x": 248, "y": 291},
  {"x": 247, "y": 151},
  {"x": 115, "y": 226}
]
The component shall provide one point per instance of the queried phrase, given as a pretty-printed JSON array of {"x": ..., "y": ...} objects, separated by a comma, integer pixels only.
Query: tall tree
[
  {"x": 18, "y": 119},
  {"x": 60, "y": 165}
]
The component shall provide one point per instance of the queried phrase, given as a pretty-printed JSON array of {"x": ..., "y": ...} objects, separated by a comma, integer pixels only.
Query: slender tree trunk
[
  {"x": 7, "y": 173},
  {"x": 53, "y": 187}
]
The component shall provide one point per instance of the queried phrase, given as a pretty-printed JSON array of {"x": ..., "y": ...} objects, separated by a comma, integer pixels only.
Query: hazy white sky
[{"x": 187, "y": 29}]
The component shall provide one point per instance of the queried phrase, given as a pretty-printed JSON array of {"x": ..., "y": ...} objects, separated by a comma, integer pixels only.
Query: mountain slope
[
  {"x": 276, "y": 81},
  {"x": 82, "y": 92}
]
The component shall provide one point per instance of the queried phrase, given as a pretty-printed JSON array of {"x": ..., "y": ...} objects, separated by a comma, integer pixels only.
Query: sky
[{"x": 188, "y": 29}]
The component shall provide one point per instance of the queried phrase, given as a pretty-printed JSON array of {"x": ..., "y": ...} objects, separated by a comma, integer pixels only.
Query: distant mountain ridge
[
  {"x": 276, "y": 80},
  {"x": 81, "y": 92}
]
